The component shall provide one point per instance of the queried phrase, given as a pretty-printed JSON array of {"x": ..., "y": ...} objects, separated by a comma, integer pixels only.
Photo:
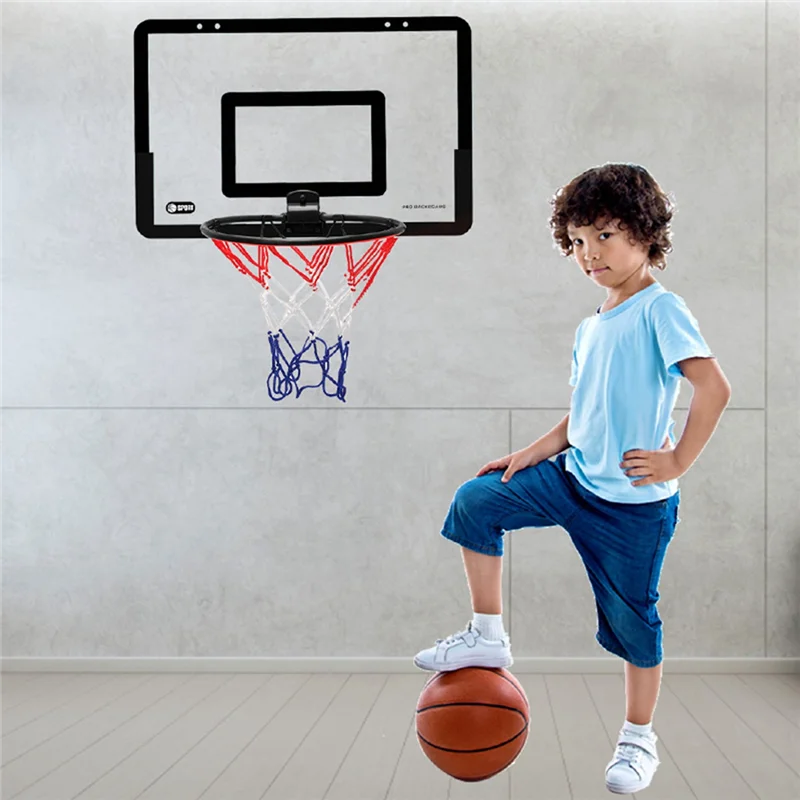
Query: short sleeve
[
  {"x": 677, "y": 333},
  {"x": 573, "y": 378}
]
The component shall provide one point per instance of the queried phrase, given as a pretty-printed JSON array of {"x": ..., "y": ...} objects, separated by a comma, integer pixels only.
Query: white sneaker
[
  {"x": 466, "y": 648},
  {"x": 634, "y": 764}
]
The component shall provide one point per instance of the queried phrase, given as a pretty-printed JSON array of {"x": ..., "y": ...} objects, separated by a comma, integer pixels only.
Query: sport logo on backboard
[{"x": 180, "y": 208}]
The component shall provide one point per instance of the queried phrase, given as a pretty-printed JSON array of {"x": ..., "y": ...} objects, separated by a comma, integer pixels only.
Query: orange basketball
[{"x": 472, "y": 723}]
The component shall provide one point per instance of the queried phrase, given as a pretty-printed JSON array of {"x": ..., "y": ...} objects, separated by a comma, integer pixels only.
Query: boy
[{"x": 615, "y": 490}]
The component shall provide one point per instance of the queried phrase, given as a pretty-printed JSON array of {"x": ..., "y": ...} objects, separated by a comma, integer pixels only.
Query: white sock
[
  {"x": 489, "y": 625},
  {"x": 643, "y": 729}
]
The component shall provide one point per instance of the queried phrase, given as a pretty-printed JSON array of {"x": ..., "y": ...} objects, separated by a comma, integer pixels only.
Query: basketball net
[{"x": 297, "y": 317}]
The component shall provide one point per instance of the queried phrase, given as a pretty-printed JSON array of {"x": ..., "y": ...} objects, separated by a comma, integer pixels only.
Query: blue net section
[{"x": 292, "y": 365}]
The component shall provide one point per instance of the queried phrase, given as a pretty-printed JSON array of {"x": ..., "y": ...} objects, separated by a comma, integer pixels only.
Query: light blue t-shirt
[{"x": 626, "y": 383}]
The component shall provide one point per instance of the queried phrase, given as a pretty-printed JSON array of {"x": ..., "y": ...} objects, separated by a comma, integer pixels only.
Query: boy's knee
[{"x": 471, "y": 493}]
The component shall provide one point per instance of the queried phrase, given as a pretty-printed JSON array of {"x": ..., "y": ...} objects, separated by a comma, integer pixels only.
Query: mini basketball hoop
[{"x": 307, "y": 243}]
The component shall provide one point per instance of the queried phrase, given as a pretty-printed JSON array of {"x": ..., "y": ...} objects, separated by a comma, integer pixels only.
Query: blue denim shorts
[{"x": 622, "y": 545}]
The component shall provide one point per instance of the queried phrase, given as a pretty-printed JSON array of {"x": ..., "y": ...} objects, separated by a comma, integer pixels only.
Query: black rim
[{"x": 270, "y": 229}]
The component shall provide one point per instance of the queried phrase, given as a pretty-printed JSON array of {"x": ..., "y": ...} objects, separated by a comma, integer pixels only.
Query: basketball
[{"x": 472, "y": 723}]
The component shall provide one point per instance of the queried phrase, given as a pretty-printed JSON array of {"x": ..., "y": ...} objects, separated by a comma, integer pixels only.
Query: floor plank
[
  {"x": 329, "y": 742},
  {"x": 250, "y": 774},
  {"x": 777, "y": 693},
  {"x": 136, "y": 736},
  {"x": 368, "y": 769},
  {"x": 78, "y": 775},
  {"x": 416, "y": 777},
  {"x": 765, "y": 773},
  {"x": 160, "y": 752},
  {"x": 766, "y": 722},
  {"x": 36, "y": 732},
  {"x": 585, "y": 745},
  {"x": 708, "y": 772},
  {"x": 540, "y": 764},
  {"x": 196, "y": 772},
  {"x": 19, "y": 691},
  {"x": 13, "y": 681},
  {"x": 47, "y": 697},
  {"x": 792, "y": 680},
  {"x": 32, "y": 769}
]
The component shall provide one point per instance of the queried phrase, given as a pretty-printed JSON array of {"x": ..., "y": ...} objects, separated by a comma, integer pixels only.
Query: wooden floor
[{"x": 352, "y": 737}]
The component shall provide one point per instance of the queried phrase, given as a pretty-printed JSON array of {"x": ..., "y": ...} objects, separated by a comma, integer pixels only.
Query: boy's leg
[
  {"x": 482, "y": 511},
  {"x": 641, "y": 692},
  {"x": 485, "y": 579},
  {"x": 635, "y": 758},
  {"x": 623, "y": 550}
]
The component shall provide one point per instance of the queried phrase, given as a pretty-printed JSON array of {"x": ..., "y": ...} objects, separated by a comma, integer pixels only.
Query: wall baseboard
[{"x": 604, "y": 665}]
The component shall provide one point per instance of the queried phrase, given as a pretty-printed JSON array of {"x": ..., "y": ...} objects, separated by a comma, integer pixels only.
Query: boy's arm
[
  {"x": 711, "y": 395},
  {"x": 553, "y": 442}
]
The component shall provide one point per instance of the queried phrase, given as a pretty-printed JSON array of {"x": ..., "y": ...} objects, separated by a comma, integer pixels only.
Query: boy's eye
[{"x": 604, "y": 233}]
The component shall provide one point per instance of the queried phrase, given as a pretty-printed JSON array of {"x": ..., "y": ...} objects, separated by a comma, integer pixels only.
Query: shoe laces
[
  {"x": 631, "y": 753},
  {"x": 459, "y": 635}
]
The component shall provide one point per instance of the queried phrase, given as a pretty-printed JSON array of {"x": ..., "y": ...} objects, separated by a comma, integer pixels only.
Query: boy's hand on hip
[{"x": 651, "y": 466}]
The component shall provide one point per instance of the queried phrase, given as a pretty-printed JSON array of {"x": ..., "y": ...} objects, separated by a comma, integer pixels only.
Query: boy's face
[{"x": 605, "y": 253}]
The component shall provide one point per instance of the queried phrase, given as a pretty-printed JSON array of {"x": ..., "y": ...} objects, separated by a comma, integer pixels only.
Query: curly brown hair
[{"x": 624, "y": 192}]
